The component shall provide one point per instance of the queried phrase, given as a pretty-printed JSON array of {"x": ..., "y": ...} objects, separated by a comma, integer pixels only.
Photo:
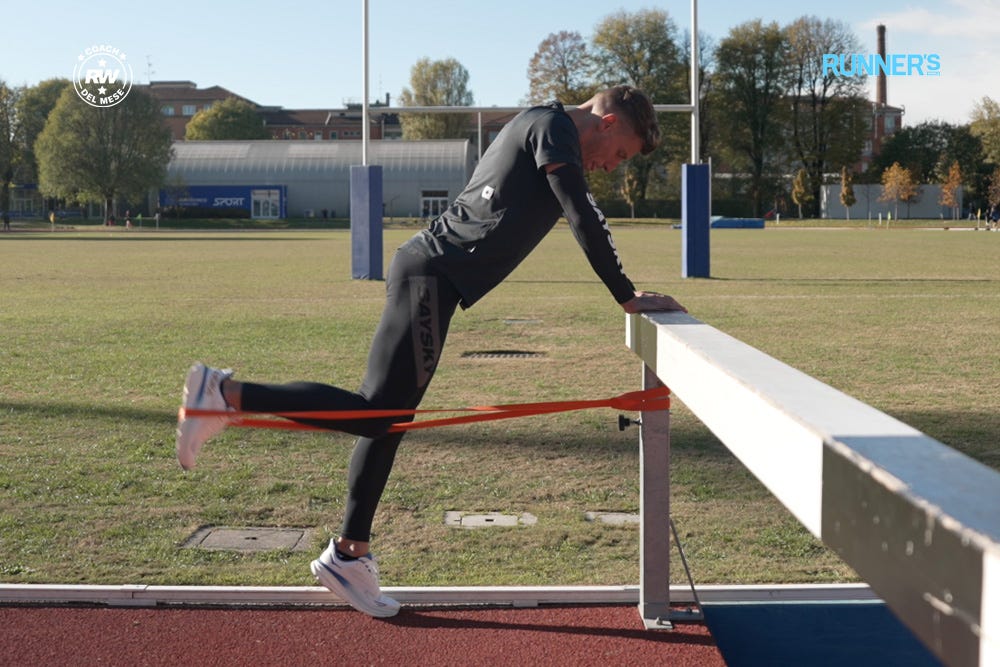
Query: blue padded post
[
  {"x": 695, "y": 221},
  {"x": 366, "y": 222}
]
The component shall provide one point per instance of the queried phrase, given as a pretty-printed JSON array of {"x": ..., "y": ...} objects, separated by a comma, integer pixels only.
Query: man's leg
[{"x": 402, "y": 361}]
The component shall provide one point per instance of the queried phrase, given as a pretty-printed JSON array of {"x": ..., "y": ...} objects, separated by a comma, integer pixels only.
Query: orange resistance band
[{"x": 657, "y": 398}]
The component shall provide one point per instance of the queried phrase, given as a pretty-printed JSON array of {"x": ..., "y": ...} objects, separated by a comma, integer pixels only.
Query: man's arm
[{"x": 592, "y": 233}]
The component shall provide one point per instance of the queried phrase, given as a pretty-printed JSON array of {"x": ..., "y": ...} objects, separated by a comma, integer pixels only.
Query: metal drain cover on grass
[
  {"x": 501, "y": 354},
  {"x": 488, "y": 520},
  {"x": 253, "y": 538},
  {"x": 613, "y": 518}
]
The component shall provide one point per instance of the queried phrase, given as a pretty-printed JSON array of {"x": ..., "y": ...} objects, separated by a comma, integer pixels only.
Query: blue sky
[{"x": 309, "y": 55}]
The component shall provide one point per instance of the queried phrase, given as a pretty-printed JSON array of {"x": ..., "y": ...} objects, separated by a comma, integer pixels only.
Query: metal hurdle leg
[{"x": 654, "y": 510}]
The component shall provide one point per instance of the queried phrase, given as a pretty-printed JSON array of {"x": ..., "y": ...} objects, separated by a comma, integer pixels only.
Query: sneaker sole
[
  {"x": 194, "y": 385},
  {"x": 335, "y": 584}
]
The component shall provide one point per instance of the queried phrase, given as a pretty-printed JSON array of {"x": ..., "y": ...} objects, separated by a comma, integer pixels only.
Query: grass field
[{"x": 97, "y": 329}]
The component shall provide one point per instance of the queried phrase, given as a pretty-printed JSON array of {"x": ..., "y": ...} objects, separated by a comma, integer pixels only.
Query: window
[
  {"x": 167, "y": 110},
  {"x": 318, "y": 134},
  {"x": 189, "y": 110},
  {"x": 302, "y": 134},
  {"x": 890, "y": 124},
  {"x": 333, "y": 134},
  {"x": 433, "y": 203}
]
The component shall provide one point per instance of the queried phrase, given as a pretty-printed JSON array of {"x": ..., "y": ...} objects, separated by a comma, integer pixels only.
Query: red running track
[{"x": 38, "y": 636}]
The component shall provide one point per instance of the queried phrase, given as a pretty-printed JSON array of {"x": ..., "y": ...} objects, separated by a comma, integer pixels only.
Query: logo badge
[{"x": 102, "y": 76}]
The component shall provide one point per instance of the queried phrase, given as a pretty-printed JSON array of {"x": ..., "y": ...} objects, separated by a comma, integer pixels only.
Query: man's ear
[{"x": 608, "y": 120}]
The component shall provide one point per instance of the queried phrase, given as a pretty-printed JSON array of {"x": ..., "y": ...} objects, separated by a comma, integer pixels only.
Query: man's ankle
[
  {"x": 351, "y": 548},
  {"x": 232, "y": 393}
]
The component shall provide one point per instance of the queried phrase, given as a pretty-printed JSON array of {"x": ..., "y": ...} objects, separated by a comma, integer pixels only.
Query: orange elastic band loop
[{"x": 657, "y": 398}]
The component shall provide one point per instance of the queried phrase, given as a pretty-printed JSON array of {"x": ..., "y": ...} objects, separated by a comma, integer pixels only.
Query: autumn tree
[
  {"x": 898, "y": 185},
  {"x": 847, "y": 198},
  {"x": 435, "y": 83},
  {"x": 232, "y": 118},
  {"x": 949, "y": 189},
  {"x": 801, "y": 192},
  {"x": 560, "y": 70},
  {"x": 98, "y": 154}
]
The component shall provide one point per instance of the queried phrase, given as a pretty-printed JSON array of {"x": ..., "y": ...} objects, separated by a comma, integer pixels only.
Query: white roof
[{"x": 272, "y": 157}]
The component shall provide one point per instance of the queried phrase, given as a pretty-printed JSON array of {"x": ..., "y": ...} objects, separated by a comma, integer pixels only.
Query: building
[
  {"x": 181, "y": 100},
  {"x": 869, "y": 206},
  {"x": 274, "y": 179}
]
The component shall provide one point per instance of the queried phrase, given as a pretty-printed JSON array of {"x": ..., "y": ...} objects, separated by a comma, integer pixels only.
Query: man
[{"x": 531, "y": 175}]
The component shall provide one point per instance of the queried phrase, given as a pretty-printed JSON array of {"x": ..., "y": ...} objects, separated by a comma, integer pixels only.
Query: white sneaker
[
  {"x": 354, "y": 581},
  {"x": 202, "y": 391}
]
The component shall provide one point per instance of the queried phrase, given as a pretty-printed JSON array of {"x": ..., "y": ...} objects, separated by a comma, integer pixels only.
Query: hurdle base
[{"x": 667, "y": 621}]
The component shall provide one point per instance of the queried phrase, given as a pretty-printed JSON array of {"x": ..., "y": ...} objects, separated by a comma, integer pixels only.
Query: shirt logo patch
[{"x": 487, "y": 192}]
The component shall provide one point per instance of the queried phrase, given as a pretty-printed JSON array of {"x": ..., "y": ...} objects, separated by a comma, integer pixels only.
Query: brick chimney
[{"x": 880, "y": 94}]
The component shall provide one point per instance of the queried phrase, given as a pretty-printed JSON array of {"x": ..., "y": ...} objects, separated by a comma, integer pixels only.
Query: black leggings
[{"x": 404, "y": 355}]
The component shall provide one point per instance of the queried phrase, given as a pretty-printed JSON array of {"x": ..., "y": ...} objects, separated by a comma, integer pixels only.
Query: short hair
[{"x": 635, "y": 106}]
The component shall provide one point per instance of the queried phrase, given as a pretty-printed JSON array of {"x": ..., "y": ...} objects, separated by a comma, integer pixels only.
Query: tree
[
  {"x": 847, "y": 197},
  {"x": 949, "y": 189},
  {"x": 801, "y": 191},
  {"x": 898, "y": 185},
  {"x": 828, "y": 112},
  {"x": 97, "y": 154},
  {"x": 560, "y": 70},
  {"x": 706, "y": 70},
  {"x": 232, "y": 118},
  {"x": 927, "y": 147},
  {"x": 640, "y": 49},
  {"x": 986, "y": 125},
  {"x": 435, "y": 83},
  {"x": 750, "y": 67},
  {"x": 993, "y": 193},
  {"x": 32, "y": 111},
  {"x": 10, "y": 156}
]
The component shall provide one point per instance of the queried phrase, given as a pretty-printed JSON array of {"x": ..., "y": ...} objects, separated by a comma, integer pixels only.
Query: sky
[{"x": 309, "y": 56}]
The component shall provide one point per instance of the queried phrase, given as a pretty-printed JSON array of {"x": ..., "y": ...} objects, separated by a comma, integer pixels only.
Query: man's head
[
  {"x": 632, "y": 106},
  {"x": 616, "y": 124}
]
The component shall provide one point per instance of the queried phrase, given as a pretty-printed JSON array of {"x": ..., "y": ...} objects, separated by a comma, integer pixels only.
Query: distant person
[
  {"x": 532, "y": 174},
  {"x": 6, "y": 221}
]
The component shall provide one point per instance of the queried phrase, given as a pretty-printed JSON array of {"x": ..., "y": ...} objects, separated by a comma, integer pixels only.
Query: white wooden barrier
[{"x": 918, "y": 521}]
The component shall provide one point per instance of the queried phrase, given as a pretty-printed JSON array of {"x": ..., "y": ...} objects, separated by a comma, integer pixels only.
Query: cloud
[{"x": 972, "y": 19}]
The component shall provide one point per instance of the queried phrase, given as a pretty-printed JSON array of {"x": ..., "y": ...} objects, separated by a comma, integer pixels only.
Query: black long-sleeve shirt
[{"x": 511, "y": 203}]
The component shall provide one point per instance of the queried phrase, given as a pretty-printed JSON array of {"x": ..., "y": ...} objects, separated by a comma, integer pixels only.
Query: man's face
[{"x": 609, "y": 145}]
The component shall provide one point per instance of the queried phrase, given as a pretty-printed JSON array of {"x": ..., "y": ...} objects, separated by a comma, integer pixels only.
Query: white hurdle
[{"x": 918, "y": 521}]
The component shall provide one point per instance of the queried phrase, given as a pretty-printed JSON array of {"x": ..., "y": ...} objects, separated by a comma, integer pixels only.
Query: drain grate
[
  {"x": 250, "y": 538},
  {"x": 501, "y": 354}
]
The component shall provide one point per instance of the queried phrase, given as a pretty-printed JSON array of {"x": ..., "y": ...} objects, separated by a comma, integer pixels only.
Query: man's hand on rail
[{"x": 647, "y": 301}]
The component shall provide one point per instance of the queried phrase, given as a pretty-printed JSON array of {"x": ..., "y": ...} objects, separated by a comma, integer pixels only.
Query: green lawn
[{"x": 97, "y": 329}]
